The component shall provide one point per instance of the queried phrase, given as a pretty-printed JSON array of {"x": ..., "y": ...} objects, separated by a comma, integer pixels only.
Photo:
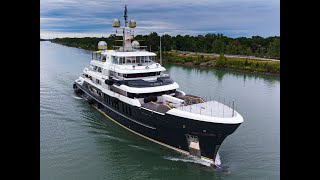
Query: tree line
[{"x": 210, "y": 43}]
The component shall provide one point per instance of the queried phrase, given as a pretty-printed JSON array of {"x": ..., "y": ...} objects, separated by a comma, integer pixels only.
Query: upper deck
[
  {"x": 135, "y": 68},
  {"x": 128, "y": 53},
  {"x": 126, "y": 62},
  {"x": 130, "y": 48}
]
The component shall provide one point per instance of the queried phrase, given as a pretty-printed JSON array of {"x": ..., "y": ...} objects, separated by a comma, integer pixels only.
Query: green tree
[
  {"x": 221, "y": 61},
  {"x": 218, "y": 46},
  {"x": 274, "y": 49}
]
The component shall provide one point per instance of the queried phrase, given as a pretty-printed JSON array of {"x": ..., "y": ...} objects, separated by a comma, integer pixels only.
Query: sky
[{"x": 93, "y": 18}]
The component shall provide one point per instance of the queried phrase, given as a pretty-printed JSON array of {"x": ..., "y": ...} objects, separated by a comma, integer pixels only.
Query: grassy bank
[{"x": 221, "y": 62}]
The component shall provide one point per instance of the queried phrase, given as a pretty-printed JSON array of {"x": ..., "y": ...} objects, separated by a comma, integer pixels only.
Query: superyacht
[{"x": 128, "y": 86}]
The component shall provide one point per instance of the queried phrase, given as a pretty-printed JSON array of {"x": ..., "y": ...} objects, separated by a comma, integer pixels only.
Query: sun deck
[{"x": 209, "y": 108}]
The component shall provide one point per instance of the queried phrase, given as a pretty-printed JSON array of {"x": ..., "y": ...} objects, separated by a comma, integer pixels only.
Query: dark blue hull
[{"x": 165, "y": 129}]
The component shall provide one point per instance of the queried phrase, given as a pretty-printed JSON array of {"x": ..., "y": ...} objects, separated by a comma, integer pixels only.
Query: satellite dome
[
  {"x": 135, "y": 44},
  {"x": 102, "y": 45},
  {"x": 115, "y": 23},
  {"x": 132, "y": 23}
]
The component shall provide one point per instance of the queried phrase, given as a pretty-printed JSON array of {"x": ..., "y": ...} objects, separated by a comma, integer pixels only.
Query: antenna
[
  {"x": 125, "y": 25},
  {"x": 160, "y": 52},
  {"x": 125, "y": 15}
]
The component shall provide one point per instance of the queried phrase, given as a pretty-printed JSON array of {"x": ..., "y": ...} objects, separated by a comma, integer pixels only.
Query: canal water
[{"x": 78, "y": 142}]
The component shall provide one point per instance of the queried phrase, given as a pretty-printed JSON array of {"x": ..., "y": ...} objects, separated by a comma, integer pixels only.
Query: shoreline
[
  {"x": 187, "y": 53},
  {"x": 191, "y": 64}
]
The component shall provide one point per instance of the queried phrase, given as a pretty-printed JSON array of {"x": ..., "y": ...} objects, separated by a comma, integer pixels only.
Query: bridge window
[{"x": 133, "y": 60}]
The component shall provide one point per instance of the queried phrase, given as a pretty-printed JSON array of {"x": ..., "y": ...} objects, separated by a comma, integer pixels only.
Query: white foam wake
[
  {"x": 76, "y": 97},
  {"x": 138, "y": 147},
  {"x": 190, "y": 159},
  {"x": 217, "y": 161}
]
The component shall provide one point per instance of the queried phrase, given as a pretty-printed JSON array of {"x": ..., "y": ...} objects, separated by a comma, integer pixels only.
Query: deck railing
[
  {"x": 128, "y": 49},
  {"x": 211, "y": 107}
]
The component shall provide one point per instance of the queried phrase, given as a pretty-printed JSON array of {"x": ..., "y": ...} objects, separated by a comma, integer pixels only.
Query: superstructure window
[
  {"x": 115, "y": 60},
  {"x": 130, "y": 60},
  {"x": 140, "y": 60},
  {"x": 122, "y": 60},
  {"x": 95, "y": 68},
  {"x": 141, "y": 74},
  {"x": 97, "y": 56},
  {"x": 144, "y": 95}
]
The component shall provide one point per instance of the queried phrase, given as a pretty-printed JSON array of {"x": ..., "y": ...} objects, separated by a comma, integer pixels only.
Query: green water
[{"x": 78, "y": 142}]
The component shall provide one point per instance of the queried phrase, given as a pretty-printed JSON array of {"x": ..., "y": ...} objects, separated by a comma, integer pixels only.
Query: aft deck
[{"x": 209, "y": 108}]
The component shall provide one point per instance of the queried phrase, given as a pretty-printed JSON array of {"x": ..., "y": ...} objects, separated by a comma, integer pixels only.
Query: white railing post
[
  {"x": 232, "y": 107},
  {"x": 224, "y": 102}
]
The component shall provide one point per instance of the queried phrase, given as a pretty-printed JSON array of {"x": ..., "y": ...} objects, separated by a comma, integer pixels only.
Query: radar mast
[{"x": 127, "y": 31}]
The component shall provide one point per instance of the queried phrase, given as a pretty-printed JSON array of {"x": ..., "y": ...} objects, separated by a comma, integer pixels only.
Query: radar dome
[
  {"x": 102, "y": 45},
  {"x": 135, "y": 44},
  {"x": 115, "y": 23},
  {"x": 132, "y": 23}
]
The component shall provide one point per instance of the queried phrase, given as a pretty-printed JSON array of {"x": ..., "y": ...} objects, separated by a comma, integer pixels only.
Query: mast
[
  {"x": 125, "y": 25},
  {"x": 160, "y": 52},
  {"x": 125, "y": 16},
  {"x": 127, "y": 30}
]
